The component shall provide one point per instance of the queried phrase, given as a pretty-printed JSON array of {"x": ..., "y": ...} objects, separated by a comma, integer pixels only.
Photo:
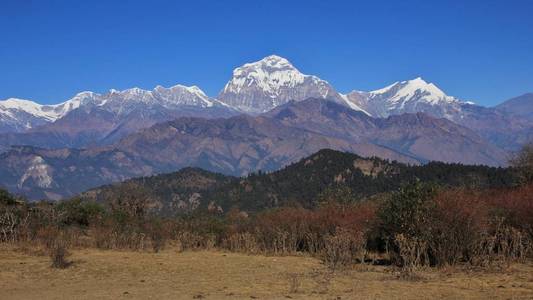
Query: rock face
[
  {"x": 263, "y": 85},
  {"x": 54, "y": 174}
]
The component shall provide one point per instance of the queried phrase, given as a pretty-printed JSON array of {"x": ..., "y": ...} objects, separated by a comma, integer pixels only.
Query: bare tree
[
  {"x": 132, "y": 199},
  {"x": 523, "y": 162}
]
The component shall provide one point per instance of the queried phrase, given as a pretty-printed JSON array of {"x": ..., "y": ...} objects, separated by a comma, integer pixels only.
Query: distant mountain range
[
  {"x": 241, "y": 144},
  {"x": 268, "y": 115},
  {"x": 95, "y": 119}
]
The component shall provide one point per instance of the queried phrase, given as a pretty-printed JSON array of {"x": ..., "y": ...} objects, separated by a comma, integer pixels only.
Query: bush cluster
[
  {"x": 419, "y": 225},
  {"x": 424, "y": 226}
]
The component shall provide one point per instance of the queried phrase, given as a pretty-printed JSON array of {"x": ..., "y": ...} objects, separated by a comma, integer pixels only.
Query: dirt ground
[{"x": 97, "y": 274}]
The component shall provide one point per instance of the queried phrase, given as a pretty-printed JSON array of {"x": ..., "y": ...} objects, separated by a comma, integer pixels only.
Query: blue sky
[{"x": 474, "y": 50}]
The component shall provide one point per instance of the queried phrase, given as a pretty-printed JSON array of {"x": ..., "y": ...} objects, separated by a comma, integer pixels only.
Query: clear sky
[{"x": 474, "y": 50}]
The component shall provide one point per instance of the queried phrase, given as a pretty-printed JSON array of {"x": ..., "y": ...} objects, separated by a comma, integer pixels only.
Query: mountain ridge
[
  {"x": 255, "y": 88},
  {"x": 240, "y": 145}
]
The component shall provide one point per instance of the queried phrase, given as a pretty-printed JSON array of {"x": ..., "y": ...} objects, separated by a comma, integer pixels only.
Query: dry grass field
[{"x": 98, "y": 274}]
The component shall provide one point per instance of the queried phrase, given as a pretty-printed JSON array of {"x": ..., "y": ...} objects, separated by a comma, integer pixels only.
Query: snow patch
[{"x": 39, "y": 172}]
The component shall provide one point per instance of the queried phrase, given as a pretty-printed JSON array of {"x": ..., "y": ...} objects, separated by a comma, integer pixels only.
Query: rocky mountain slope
[
  {"x": 415, "y": 135},
  {"x": 242, "y": 144}
]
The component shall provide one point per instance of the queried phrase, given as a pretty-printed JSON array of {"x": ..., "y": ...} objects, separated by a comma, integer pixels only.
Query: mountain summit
[
  {"x": 263, "y": 85},
  {"x": 409, "y": 96}
]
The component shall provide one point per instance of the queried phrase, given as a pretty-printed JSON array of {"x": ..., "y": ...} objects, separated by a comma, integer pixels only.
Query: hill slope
[{"x": 324, "y": 175}]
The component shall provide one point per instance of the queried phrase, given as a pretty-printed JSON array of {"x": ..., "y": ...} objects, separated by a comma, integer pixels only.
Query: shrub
[
  {"x": 58, "y": 255},
  {"x": 119, "y": 231},
  {"x": 55, "y": 242},
  {"x": 406, "y": 215},
  {"x": 6, "y": 198},
  {"x": 157, "y": 233},
  {"x": 193, "y": 241},
  {"x": 452, "y": 226},
  {"x": 406, "y": 211},
  {"x": 78, "y": 212},
  {"x": 241, "y": 242},
  {"x": 13, "y": 220},
  {"x": 342, "y": 248},
  {"x": 282, "y": 231},
  {"x": 523, "y": 162},
  {"x": 514, "y": 206},
  {"x": 458, "y": 222}
]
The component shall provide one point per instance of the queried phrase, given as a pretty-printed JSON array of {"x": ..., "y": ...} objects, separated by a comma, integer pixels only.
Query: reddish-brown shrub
[
  {"x": 514, "y": 205},
  {"x": 459, "y": 222},
  {"x": 320, "y": 231}
]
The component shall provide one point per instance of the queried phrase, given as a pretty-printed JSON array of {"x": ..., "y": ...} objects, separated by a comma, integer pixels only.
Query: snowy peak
[
  {"x": 80, "y": 99},
  {"x": 181, "y": 95},
  {"x": 260, "y": 86},
  {"x": 128, "y": 99},
  {"x": 271, "y": 61},
  {"x": 22, "y": 105},
  {"x": 408, "y": 90},
  {"x": 123, "y": 102},
  {"x": 20, "y": 115},
  {"x": 15, "y": 106},
  {"x": 409, "y": 96},
  {"x": 271, "y": 74}
]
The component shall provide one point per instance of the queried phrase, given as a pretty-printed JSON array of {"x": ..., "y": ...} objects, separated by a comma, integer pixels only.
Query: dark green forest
[{"x": 324, "y": 176}]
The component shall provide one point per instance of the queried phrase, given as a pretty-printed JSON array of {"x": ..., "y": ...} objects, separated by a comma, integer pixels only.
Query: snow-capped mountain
[
  {"x": 100, "y": 119},
  {"x": 410, "y": 96},
  {"x": 90, "y": 118},
  {"x": 505, "y": 129},
  {"x": 17, "y": 115},
  {"x": 263, "y": 85},
  {"x": 123, "y": 102}
]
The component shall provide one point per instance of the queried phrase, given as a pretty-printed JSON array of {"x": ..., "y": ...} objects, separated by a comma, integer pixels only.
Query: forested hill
[{"x": 323, "y": 176}]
